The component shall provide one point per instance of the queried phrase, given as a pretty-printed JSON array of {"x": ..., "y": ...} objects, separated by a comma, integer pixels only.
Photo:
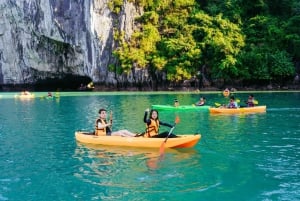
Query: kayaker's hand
[{"x": 147, "y": 110}]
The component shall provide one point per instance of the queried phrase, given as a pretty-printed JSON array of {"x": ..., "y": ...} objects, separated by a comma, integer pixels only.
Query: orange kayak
[
  {"x": 182, "y": 141},
  {"x": 255, "y": 109}
]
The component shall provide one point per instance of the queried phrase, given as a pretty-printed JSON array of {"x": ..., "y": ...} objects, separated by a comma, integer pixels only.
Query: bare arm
[{"x": 147, "y": 121}]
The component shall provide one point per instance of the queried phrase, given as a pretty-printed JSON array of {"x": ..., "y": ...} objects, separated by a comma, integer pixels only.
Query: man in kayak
[
  {"x": 232, "y": 103},
  {"x": 104, "y": 128},
  {"x": 152, "y": 125},
  {"x": 176, "y": 103},
  {"x": 201, "y": 102}
]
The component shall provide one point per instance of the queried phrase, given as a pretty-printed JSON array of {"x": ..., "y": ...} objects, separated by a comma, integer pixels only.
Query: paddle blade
[
  {"x": 162, "y": 148},
  {"x": 177, "y": 120},
  {"x": 255, "y": 102},
  {"x": 217, "y": 104},
  {"x": 152, "y": 163}
]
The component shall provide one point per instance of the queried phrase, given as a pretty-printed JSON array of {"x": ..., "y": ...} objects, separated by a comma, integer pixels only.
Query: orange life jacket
[
  {"x": 152, "y": 128},
  {"x": 100, "y": 131}
]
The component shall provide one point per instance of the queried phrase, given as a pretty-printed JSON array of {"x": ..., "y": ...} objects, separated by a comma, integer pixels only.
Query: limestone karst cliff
[{"x": 48, "y": 39}]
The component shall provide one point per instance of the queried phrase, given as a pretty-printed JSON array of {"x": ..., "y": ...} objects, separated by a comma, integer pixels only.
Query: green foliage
[
  {"x": 292, "y": 36},
  {"x": 149, "y": 17},
  {"x": 115, "y": 5},
  {"x": 255, "y": 64},
  {"x": 281, "y": 66},
  {"x": 232, "y": 39},
  {"x": 265, "y": 65},
  {"x": 159, "y": 62},
  {"x": 148, "y": 38},
  {"x": 220, "y": 41},
  {"x": 263, "y": 30}
]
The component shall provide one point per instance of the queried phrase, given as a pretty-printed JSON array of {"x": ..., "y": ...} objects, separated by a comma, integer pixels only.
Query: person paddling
[
  {"x": 176, "y": 103},
  {"x": 250, "y": 101},
  {"x": 152, "y": 125},
  {"x": 232, "y": 103},
  {"x": 104, "y": 128},
  {"x": 201, "y": 102}
]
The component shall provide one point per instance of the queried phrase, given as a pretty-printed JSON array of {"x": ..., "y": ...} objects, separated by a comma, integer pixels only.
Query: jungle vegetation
[{"x": 219, "y": 42}]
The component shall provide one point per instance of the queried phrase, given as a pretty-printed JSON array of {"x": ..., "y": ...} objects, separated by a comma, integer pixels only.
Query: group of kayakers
[
  {"x": 234, "y": 103},
  {"x": 250, "y": 102},
  {"x": 27, "y": 93},
  {"x": 151, "y": 119},
  {"x": 231, "y": 104},
  {"x": 104, "y": 126}
]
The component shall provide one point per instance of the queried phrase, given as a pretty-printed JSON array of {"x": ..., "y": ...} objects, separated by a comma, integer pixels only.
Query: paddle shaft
[
  {"x": 110, "y": 120},
  {"x": 162, "y": 147},
  {"x": 170, "y": 133}
]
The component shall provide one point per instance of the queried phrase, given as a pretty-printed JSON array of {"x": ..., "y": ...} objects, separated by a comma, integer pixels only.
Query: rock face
[{"x": 51, "y": 38}]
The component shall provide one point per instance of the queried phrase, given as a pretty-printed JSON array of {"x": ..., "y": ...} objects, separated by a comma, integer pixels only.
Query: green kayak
[{"x": 180, "y": 107}]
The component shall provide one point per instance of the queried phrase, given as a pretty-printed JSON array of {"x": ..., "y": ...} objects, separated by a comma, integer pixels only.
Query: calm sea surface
[{"x": 240, "y": 157}]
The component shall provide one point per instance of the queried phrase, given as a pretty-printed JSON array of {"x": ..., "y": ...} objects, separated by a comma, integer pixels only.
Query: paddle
[
  {"x": 217, "y": 104},
  {"x": 162, "y": 146},
  {"x": 110, "y": 120},
  {"x": 255, "y": 102}
]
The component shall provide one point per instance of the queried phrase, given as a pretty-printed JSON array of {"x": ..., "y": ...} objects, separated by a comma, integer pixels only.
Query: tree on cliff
[{"x": 224, "y": 41}]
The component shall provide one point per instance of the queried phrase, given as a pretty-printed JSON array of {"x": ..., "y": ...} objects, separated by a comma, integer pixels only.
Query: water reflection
[
  {"x": 137, "y": 169},
  {"x": 113, "y": 155}
]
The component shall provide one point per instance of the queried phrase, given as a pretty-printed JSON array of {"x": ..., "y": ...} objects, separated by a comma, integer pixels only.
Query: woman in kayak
[
  {"x": 104, "y": 128},
  {"x": 152, "y": 125},
  {"x": 250, "y": 101}
]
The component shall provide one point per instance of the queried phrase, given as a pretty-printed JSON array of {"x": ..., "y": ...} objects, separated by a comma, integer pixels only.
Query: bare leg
[{"x": 123, "y": 133}]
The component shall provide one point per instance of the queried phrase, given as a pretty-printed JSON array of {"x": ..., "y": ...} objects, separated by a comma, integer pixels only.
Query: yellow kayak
[
  {"x": 255, "y": 109},
  {"x": 25, "y": 96},
  {"x": 182, "y": 141}
]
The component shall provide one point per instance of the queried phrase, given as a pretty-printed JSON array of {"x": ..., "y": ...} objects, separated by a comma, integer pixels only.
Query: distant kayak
[
  {"x": 25, "y": 96},
  {"x": 49, "y": 97},
  {"x": 180, "y": 107},
  {"x": 182, "y": 141},
  {"x": 224, "y": 110}
]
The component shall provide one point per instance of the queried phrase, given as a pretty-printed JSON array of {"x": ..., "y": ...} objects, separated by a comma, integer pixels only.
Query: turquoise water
[{"x": 240, "y": 157}]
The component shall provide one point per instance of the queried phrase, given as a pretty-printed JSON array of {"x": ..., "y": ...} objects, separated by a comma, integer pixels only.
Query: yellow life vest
[
  {"x": 226, "y": 92},
  {"x": 100, "y": 131},
  {"x": 152, "y": 128}
]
